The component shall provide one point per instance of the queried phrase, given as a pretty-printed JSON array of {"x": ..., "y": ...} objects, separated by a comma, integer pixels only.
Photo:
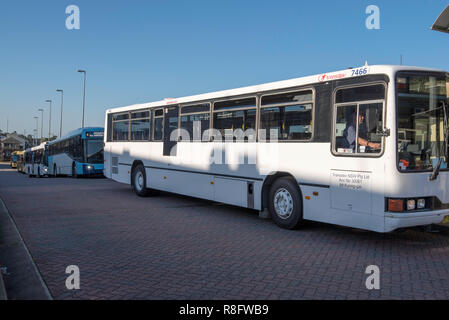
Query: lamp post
[
  {"x": 49, "y": 120},
  {"x": 35, "y": 136},
  {"x": 62, "y": 102},
  {"x": 42, "y": 123},
  {"x": 84, "y": 95}
]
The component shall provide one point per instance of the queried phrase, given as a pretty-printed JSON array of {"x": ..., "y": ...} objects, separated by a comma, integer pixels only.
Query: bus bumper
[
  {"x": 395, "y": 221},
  {"x": 92, "y": 170}
]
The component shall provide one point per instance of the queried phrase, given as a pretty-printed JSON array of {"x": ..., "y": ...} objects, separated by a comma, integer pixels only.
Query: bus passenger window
[
  {"x": 195, "y": 120},
  {"x": 236, "y": 119},
  {"x": 195, "y": 125},
  {"x": 158, "y": 124},
  {"x": 140, "y": 126},
  {"x": 290, "y": 114},
  {"x": 120, "y": 127}
]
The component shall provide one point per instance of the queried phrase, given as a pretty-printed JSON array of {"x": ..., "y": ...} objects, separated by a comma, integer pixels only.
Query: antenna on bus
[{"x": 366, "y": 63}]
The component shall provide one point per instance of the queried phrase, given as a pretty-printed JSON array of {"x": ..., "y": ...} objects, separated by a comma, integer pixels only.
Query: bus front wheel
[{"x": 285, "y": 203}]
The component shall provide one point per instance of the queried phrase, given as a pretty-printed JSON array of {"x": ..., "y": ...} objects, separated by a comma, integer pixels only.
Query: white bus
[
  {"x": 36, "y": 161},
  {"x": 363, "y": 147}
]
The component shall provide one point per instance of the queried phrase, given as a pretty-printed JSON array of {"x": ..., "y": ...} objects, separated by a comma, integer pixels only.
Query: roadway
[{"x": 175, "y": 247}]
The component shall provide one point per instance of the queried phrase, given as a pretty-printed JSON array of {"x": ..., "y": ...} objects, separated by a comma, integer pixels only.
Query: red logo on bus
[{"x": 325, "y": 77}]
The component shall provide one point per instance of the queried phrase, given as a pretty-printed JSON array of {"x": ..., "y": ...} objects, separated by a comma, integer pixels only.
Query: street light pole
[
  {"x": 42, "y": 123},
  {"x": 49, "y": 120},
  {"x": 35, "y": 136},
  {"x": 62, "y": 102},
  {"x": 84, "y": 95}
]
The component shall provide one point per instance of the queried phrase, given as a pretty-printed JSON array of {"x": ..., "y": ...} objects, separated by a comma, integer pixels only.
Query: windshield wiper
[{"x": 436, "y": 169}]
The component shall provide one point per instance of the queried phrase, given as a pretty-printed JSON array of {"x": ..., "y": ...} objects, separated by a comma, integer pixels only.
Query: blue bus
[{"x": 79, "y": 153}]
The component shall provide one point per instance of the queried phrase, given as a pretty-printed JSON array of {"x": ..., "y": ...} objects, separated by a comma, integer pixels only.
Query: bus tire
[
  {"x": 139, "y": 181},
  {"x": 285, "y": 203},
  {"x": 74, "y": 175},
  {"x": 39, "y": 173}
]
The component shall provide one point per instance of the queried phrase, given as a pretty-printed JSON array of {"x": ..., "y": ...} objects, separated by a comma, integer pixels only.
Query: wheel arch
[{"x": 268, "y": 182}]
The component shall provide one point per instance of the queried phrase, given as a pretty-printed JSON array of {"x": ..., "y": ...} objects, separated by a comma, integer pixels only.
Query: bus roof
[
  {"x": 41, "y": 146},
  {"x": 317, "y": 78},
  {"x": 78, "y": 132}
]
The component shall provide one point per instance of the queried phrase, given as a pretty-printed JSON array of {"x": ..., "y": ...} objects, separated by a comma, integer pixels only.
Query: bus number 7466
[{"x": 359, "y": 71}]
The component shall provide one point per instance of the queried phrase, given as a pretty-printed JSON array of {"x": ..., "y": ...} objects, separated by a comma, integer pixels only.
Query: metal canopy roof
[{"x": 442, "y": 23}]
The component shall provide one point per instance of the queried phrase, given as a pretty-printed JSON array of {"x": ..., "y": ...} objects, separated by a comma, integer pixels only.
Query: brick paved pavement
[{"x": 174, "y": 247}]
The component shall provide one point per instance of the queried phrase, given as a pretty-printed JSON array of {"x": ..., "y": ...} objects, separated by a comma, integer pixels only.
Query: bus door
[
  {"x": 357, "y": 172},
  {"x": 170, "y": 125}
]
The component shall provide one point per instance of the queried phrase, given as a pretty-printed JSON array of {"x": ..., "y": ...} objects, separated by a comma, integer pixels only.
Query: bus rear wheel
[
  {"x": 139, "y": 181},
  {"x": 285, "y": 203}
]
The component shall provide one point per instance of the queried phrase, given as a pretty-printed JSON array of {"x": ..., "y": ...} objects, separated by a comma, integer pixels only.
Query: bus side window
[
  {"x": 289, "y": 113},
  {"x": 231, "y": 115},
  {"x": 195, "y": 120},
  {"x": 359, "y": 119},
  {"x": 158, "y": 124},
  {"x": 120, "y": 127},
  {"x": 344, "y": 132},
  {"x": 140, "y": 126}
]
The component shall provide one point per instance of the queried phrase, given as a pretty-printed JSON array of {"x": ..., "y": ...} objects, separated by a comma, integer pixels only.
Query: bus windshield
[
  {"x": 94, "y": 151},
  {"x": 421, "y": 100}
]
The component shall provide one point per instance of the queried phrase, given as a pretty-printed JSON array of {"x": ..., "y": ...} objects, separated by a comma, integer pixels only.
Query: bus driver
[{"x": 350, "y": 133}]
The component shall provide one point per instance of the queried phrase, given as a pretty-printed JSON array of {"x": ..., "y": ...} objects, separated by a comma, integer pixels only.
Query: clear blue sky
[{"x": 140, "y": 51}]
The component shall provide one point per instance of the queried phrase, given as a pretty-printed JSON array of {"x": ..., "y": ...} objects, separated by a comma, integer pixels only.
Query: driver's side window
[{"x": 359, "y": 120}]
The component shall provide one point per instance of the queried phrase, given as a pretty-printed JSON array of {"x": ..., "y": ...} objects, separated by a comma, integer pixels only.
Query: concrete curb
[{"x": 23, "y": 280}]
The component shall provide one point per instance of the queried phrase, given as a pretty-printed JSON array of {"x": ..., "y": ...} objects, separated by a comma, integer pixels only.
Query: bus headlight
[
  {"x": 421, "y": 203},
  {"x": 411, "y": 204}
]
